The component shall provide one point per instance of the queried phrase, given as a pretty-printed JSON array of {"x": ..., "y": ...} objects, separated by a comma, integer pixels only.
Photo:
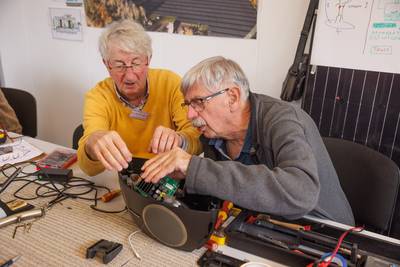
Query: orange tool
[
  {"x": 223, "y": 213},
  {"x": 110, "y": 195}
]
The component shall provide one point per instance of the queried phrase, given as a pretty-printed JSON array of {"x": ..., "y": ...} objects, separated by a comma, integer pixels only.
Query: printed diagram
[
  {"x": 66, "y": 24},
  {"x": 335, "y": 13},
  {"x": 358, "y": 34},
  {"x": 391, "y": 9}
]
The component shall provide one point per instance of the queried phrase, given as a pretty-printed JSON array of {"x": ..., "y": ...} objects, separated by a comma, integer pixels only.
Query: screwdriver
[{"x": 10, "y": 261}]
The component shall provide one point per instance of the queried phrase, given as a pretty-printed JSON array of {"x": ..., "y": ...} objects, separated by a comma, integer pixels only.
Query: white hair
[
  {"x": 128, "y": 35},
  {"x": 215, "y": 73}
]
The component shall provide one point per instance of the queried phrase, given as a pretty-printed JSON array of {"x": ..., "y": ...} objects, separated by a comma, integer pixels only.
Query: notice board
[{"x": 358, "y": 34}]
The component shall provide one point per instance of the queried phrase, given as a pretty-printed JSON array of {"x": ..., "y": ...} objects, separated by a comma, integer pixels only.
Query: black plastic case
[
  {"x": 186, "y": 227},
  {"x": 267, "y": 242}
]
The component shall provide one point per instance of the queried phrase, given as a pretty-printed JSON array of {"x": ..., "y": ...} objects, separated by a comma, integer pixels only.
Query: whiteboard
[{"x": 358, "y": 34}]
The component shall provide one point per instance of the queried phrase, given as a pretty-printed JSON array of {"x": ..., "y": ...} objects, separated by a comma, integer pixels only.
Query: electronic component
[
  {"x": 212, "y": 258},
  {"x": 55, "y": 175},
  {"x": 59, "y": 158},
  {"x": 302, "y": 241},
  {"x": 166, "y": 187},
  {"x": 187, "y": 218},
  {"x": 13, "y": 206},
  {"x": 109, "y": 250},
  {"x": 17, "y": 204}
]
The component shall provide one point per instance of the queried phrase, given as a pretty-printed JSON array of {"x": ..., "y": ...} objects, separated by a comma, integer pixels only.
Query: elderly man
[
  {"x": 261, "y": 153},
  {"x": 137, "y": 110}
]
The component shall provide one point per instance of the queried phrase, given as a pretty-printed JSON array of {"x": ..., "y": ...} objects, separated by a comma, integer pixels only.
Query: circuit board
[{"x": 165, "y": 187}]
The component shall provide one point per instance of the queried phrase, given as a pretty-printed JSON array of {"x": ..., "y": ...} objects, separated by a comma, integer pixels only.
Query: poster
[
  {"x": 66, "y": 24},
  {"x": 358, "y": 34},
  {"x": 235, "y": 18}
]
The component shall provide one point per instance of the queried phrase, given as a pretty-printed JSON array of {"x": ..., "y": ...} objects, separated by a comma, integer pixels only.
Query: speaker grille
[{"x": 164, "y": 225}]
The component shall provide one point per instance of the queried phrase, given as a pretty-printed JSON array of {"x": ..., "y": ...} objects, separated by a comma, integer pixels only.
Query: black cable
[
  {"x": 10, "y": 179},
  {"x": 94, "y": 207},
  {"x": 58, "y": 191}
]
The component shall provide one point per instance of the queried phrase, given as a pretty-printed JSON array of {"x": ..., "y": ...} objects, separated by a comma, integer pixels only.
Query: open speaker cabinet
[{"x": 186, "y": 227}]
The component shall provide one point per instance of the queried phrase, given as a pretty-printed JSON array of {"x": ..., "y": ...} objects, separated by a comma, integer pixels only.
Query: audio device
[{"x": 165, "y": 212}]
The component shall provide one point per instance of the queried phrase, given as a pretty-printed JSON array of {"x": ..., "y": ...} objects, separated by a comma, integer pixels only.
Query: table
[
  {"x": 62, "y": 236},
  {"x": 69, "y": 228}
]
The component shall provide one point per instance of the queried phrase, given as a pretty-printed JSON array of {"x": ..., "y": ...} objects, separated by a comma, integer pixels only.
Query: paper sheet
[
  {"x": 21, "y": 151},
  {"x": 358, "y": 34}
]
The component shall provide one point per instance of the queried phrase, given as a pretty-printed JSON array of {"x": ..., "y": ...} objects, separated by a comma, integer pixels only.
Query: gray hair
[
  {"x": 214, "y": 73},
  {"x": 129, "y": 35}
]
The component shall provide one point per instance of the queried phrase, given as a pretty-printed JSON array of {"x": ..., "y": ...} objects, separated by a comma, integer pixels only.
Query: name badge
[{"x": 138, "y": 114}]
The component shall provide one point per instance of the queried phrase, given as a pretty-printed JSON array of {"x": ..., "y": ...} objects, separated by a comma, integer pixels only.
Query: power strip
[{"x": 55, "y": 175}]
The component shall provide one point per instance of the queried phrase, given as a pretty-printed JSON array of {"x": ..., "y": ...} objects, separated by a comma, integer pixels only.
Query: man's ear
[
  {"x": 234, "y": 94},
  {"x": 105, "y": 63}
]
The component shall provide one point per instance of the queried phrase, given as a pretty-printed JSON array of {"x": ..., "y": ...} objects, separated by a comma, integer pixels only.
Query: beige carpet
[{"x": 62, "y": 236}]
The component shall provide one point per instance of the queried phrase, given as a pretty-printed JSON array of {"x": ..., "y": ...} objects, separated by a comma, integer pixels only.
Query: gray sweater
[{"x": 294, "y": 177}]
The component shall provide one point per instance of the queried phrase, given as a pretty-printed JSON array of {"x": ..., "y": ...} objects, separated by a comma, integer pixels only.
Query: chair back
[
  {"x": 370, "y": 181},
  {"x": 78, "y": 132},
  {"x": 24, "y": 105}
]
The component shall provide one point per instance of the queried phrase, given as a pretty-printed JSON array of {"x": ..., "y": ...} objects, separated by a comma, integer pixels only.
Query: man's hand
[
  {"x": 164, "y": 139},
  {"x": 174, "y": 163},
  {"x": 109, "y": 148}
]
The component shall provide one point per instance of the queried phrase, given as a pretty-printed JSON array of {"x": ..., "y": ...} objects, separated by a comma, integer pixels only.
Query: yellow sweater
[{"x": 104, "y": 111}]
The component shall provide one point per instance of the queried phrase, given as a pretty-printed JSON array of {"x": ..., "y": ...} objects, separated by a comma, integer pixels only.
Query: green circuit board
[{"x": 165, "y": 187}]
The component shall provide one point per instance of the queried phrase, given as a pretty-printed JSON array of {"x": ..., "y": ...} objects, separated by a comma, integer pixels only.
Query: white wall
[{"x": 58, "y": 72}]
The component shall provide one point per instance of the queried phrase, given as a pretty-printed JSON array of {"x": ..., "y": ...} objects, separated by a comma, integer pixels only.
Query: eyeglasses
[
  {"x": 122, "y": 68},
  {"x": 198, "y": 102}
]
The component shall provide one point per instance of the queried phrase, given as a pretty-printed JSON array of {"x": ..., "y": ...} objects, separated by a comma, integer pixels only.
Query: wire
[
  {"x": 101, "y": 210},
  {"x": 55, "y": 190},
  {"x": 130, "y": 243},
  {"x": 340, "y": 241}
]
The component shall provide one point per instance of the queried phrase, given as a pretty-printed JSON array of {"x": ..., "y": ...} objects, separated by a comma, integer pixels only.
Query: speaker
[
  {"x": 186, "y": 226},
  {"x": 176, "y": 236}
]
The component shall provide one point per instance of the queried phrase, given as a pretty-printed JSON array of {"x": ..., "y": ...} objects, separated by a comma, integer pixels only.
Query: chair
[
  {"x": 78, "y": 132},
  {"x": 370, "y": 181},
  {"x": 24, "y": 105}
]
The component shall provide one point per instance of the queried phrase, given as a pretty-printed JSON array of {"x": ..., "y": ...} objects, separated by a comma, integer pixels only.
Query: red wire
[{"x": 340, "y": 241}]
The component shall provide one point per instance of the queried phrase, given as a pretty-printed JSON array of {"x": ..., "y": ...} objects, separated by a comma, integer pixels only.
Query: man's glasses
[
  {"x": 119, "y": 67},
  {"x": 198, "y": 102}
]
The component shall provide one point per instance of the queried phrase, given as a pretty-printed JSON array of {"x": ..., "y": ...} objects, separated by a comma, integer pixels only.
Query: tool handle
[
  {"x": 292, "y": 226},
  {"x": 110, "y": 195}
]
